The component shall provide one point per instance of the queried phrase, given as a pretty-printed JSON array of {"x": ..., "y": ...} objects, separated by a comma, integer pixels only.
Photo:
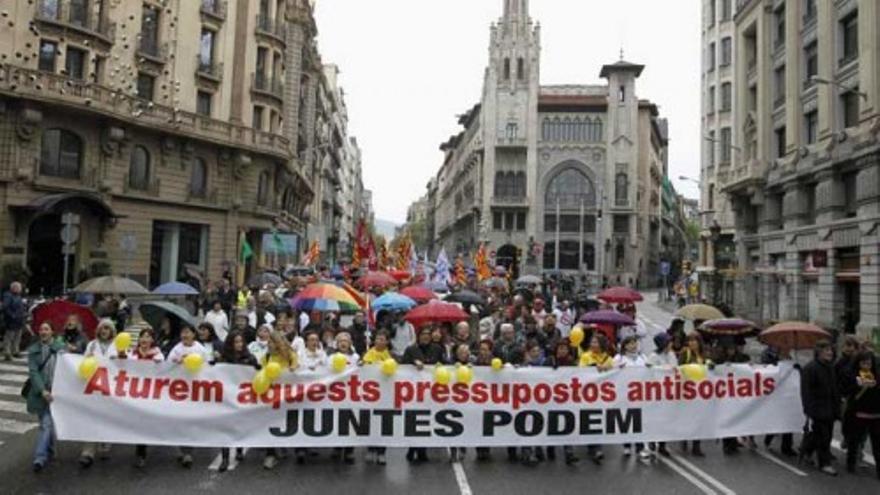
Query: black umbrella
[
  {"x": 466, "y": 297},
  {"x": 265, "y": 278},
  {"x": 153, "y": 312}
]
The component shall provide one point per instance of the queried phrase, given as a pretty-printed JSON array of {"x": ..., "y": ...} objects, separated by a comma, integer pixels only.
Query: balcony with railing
[
  {"x": 209, "y": 69},
  {"x": 271, "y": 27},
  {"x": 510, "y": 200},
  {"x": 65, "y": 16},
  {"x": 214, "y": 10},
  {"x": 47, "y": 87},
  {"x": 269, "y": 86}
]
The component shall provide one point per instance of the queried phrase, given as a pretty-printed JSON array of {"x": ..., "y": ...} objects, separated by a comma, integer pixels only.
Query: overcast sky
[{"x": 410, "y": 66}]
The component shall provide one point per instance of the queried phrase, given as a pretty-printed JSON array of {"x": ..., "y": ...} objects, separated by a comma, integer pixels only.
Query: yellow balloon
[
  {"x": 193, "y": 362},
  {"x": 442, "y": 375},
  {"x": 389, "y": 367},
  {"x": 497, "y": 364},
  {"x": 123, "y": 341},
  {"x": 261, "y": 383},
  {"x": 273, "y": 370},
  {"x": 464, "y": 374},
  {"x": 87, "y": 368},
  {"x": 694, "y": 372},
  {"x": 576, "y": 336},
  {"x": 338, "y": 362}
]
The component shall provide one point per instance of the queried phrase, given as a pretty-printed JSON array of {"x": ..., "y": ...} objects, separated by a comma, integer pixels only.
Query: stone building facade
[
  {"x": 169, "y": 128},
  {"x": 553, "y": 177},
  {"x": 806, "y": 190}
]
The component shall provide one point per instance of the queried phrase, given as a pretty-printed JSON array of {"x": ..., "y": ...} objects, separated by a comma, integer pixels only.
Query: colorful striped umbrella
[{"x": 323, "y": 298}]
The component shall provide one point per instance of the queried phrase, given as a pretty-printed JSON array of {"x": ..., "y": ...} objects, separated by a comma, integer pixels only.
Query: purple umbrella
[
  {"x": 607, "y": 317},
  {"x": 728, "y": 326}
]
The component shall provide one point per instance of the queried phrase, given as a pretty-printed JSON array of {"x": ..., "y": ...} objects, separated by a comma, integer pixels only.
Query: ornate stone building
[
  {"x": 168, "y": 127},
  {"x": 553, "y": 177},
  {"x": 806, "y": 187}
]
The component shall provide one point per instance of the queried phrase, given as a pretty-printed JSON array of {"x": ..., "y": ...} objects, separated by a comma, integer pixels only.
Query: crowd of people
[{"x": 528, "y": 327}]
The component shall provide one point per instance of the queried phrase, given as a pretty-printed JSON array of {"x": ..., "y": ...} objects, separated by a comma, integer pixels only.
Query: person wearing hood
[
  {"x": 423, "y": 353},
  {"x": 863, "y": 393},
  {"x": 821, "y": 402},
  {"x": 102, "y": 347}
]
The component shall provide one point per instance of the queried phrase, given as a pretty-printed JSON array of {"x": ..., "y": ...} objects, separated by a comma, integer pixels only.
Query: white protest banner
[{"x": 162, "y": 404}]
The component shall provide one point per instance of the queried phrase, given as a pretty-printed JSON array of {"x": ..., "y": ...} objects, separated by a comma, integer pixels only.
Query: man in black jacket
[
  {"x": 14, "y": 316},
  {"x": 423, "y": 352},
  {"x": 821, "y": 402}
]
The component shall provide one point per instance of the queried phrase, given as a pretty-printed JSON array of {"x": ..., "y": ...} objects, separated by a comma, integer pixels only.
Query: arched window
[
  {"x": 263, "y": 188},
  {"x": 570, "y": 188},
  {"x": 61, "y": 154},
  {"x": 139, "y": 169},
  {"x": 198, "y": 181},
  {"x": 506, "y": 69},
  {"x": 520, "y": 185},
  {"x": 621, "y": 189},
  {"x": 499, "y": 184},
  {"x": 520, "y": 69}
]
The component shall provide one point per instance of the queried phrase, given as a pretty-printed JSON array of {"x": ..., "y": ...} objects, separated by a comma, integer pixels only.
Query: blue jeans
[{"x": 46, "y": 439}]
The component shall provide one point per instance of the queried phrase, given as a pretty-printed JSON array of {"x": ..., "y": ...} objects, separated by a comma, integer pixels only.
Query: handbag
[{"x": 26, "y": 387}]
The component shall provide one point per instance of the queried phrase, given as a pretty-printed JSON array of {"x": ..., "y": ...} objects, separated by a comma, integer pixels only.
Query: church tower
[{"x": 509, "y": 123}]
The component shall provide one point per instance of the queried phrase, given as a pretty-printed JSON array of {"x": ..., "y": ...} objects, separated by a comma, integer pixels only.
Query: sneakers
[
  {"x": 830, "y": 471},
  {"x": 645, "y": 455},
  {"x": 38, "y": 466},
  {"x": 186, "y": 460},
  {"x": 627, "y": 451},
  {"x": 270, "y": 462},
  {"x": 224, "y": 466},
  {"x": 571, "y": 459}
]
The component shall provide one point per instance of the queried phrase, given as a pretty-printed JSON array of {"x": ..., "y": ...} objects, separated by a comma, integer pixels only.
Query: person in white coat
[
  {"x": 102, "y": 347},
  {"x": 664, "y": 357},
  {"x": 630, "y": 356},
  {"x": 219, "y": 320}
]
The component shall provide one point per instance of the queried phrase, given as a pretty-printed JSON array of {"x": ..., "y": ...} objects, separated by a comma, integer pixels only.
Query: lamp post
[
  {"x": 715, "y": 237},
  {"x": 841, "y": 86}
]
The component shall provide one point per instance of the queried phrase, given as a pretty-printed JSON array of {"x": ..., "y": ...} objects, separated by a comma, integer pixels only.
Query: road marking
[
  {"x": 13, "y": 407},
  {"x": 706, "y": 476},
  {"x": 460, "y": 477},
  {"x": 865, "y": 456},
  {"x": 215, "y": 464},
  {"x": 688, "y": 476},
  {"x": 7, "y": 390},
  {"x": 13, "y": 368},
  {"x": 772, "y": 458},
  {"x": 13, "y": 426},
  {"x": 6, "y": 377}
]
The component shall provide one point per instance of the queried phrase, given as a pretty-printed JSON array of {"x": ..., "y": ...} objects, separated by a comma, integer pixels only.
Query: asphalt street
[{"x": 758, "y": 471}]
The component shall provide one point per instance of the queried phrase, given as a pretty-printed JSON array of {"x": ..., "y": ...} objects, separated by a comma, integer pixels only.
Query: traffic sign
[
  {"x": 69, "y": 233},
  {"x": 128, "y": 242}
]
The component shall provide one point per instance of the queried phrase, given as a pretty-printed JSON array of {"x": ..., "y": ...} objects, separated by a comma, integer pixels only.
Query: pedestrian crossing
[{"x": 14, "y": 418}]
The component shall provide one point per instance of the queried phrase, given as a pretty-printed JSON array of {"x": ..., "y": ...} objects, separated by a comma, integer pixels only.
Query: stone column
[
  {"x": 795, "y": 290},
  {"x": 829, "y": 197},
  {"x": 793, "y": 205},
  {"x": 869, "y": 288},
  {"x": 830, "y": 298}
]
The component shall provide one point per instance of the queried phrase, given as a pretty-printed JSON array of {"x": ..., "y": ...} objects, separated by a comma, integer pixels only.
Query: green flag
[{"x": 247, "y": 252}]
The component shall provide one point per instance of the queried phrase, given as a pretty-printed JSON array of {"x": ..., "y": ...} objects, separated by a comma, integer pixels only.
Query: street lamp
[
  {"x": 715, "y": 237},
  {"x": 837, "y": 83},
  {"x": 689, "y": 179}
]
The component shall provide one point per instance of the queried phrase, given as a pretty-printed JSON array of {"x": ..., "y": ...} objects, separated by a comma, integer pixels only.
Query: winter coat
[
  {"x": 428, "y": 354},
  {"x": 819, "y": 391},
  {"x": 663, "y": 359},
  {"x": 41, "y": 379},
  {"x": 636, "y": 359},
  {"x": 309, "y": 359},
  {"x": 244, "y": 358},
  {"x": 14, "y": 311},
  {"x": 101, "y": 349},
  {"x": 75, "y": 338},
  {"x": 358, "y": 337},
  {"x": 376, "y": 356},
  {"x": 508, "y": 352},
  {"x": 861, "y": 401}
]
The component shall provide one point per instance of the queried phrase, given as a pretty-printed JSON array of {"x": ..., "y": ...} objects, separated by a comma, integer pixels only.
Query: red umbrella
[
  {"x": 400, "y": 275},
  {"x": 376, "y": 279},
  {"x": 436, "y": 312},
  {"x": 728, "y": 326},
  {"x": 419, "y": 293},
  {"x": 56, "y": 313},
  {"x": 608, "y": 317},
  {"x": 795, "y": 335},
  {"x": 620, "y": 295}
]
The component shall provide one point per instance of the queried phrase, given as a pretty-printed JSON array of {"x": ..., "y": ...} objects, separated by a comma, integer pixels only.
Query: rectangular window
[
  {"x": 203, "y": 103},
  {"x": 521, "y": 221},
  {"x": 711, "y": 148},
  {"x": 550, "y": 223},
  {"x": 97, "y": 74},
  {"x": 779, "y": 86},
  {"x": 726, "y": 10},
  {"x": 497, "y": 220},
  {"x": 520, "y": 69},
  {"x": 511, "y": 131},
  {"x": 621, "y": 224},
  {"x": 811, "y": 126},
  {"x": 850, "y": 106},
  {"x": 779, "y": 24},
  {"x": 780, "y": 141},
  {"x": 811, "y": 63},
  {"x": 206, "y": 51},
  {"x": 48, "y": 53},
  {"x": 145, "y": 86},
  {"x": 809, "y": 11},
  {"x": 258, "y": 118},
  {"x": 506, "y": 69},
  {"x": 849, "y": 33},
  {"x": 711, "y": 103},
  {"x": 850, "y": 189},
  {"x": 710, "y": 15},
  {"x": 509, "y": 219},
  {"x": 710, "y": 63},
  {"x": 570, "y": 224},
  {"x": 79, "y": 12},
  {"x": 149, "y": 43},
  {"x": 74, "y": 63},
  {"x": 726, "y": 97},
  {"x": 49, "y": 9},
  {"x": 810, "y": 204},
  {"x": 725, "y": 145},
  {"x": 726, "y": 52}
]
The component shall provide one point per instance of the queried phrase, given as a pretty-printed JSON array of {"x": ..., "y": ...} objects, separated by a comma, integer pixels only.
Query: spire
[
  {"x": 621, "y": 52},
  {"x": 515, "y": 9}
]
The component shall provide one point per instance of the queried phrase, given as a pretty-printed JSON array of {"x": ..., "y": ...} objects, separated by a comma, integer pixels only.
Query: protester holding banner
[
  {"x": 260, "y": 346},
  {"x": 312, "y": 356},
  {"x": 146, "y": 350},
  {"x": 423, "y": 353},
  {"x": 380, "y": 351},
  {"x": 821, "y": 401},
  {"x": 101, "y": 347},
  {"x": 279, "y": 351},
  {"x": 235, "y": 352},
  {"x": 187, "y": 345},
  {"x": 463, "y": 357},
  {"x": 42, "y": 356},
  {"x": 864, "y": 401},
  {"x": 663, "y": 356},
  {"x": 563, "y": 356},
  {"x": 630, "y": 356},
  {"x": 693, "y": 353},
  {"x": 210, "y": 341}
]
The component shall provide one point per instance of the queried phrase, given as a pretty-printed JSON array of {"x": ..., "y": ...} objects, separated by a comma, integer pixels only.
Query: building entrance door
[{"x": 45, "y": 258}]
